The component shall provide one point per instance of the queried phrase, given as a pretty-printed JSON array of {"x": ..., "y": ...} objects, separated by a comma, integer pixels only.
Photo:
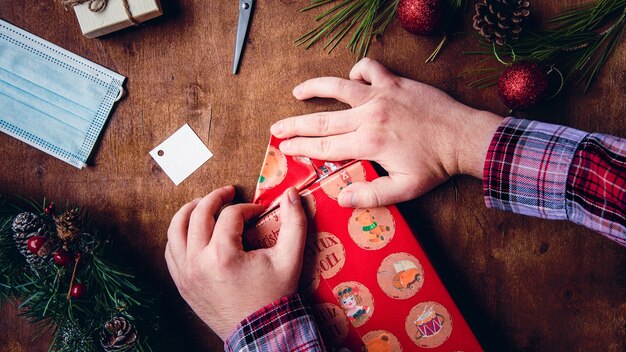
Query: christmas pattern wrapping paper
[{"x": 369, "y": 282}]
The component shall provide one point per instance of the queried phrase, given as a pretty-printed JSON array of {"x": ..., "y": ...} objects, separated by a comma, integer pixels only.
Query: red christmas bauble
[
  {"x": 63, "y": 257},
  {"x": 420, "y": 16},
  {"x": 78, "y": 290},
  {"x": 35, "y": 243},
  {"x": 523, "y": 85}
]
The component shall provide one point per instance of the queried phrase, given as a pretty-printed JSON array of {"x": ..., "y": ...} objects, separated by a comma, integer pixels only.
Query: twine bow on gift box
[{"x": 99, "y": 5}]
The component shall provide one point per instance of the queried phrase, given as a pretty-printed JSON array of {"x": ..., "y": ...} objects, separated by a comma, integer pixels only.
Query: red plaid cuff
[
  {"x": 556, "y": 172},
  {"x": 284, "y": 325}
]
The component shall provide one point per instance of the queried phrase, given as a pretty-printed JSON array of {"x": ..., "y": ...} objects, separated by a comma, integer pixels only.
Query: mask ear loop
[
  {"x": 553, "y": 68},
  {"x": 121, "y": 93}
]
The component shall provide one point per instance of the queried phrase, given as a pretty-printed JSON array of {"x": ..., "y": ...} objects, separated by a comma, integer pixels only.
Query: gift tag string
[{"x": 99, "y": 5}]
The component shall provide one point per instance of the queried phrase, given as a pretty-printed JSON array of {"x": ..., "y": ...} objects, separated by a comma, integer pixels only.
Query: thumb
[
  {"x": 290, "y": 244},
  {"x": 370, "y": 71},
  {"x": 380, "y": 192},
  {"x": 229, "y": 226}
]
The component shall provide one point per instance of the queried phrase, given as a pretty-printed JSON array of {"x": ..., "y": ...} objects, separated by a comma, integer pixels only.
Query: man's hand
[
  {"x": 221, "y": 282},
  {"x": 420, "y": 135}
]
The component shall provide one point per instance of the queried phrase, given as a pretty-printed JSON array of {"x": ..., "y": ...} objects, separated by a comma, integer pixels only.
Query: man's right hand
[{"x": 417, "y": 133}]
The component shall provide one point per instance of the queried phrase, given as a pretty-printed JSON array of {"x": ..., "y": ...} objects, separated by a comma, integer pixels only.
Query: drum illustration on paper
[{"x": 429, "y": 324}]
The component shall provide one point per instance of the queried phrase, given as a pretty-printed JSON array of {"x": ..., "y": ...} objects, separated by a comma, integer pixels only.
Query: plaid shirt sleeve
[
  {"x": 284, "y": 325},
  {"x": 556, "y": 172}
]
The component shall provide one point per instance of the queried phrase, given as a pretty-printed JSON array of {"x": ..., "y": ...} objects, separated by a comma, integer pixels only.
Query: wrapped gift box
[
  {"x": 113, "y": 16},
  {"x": 369, "y": 282}
]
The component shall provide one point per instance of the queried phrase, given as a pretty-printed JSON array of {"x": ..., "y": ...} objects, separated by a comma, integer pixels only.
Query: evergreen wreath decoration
[{"x": 59, "y": 271}]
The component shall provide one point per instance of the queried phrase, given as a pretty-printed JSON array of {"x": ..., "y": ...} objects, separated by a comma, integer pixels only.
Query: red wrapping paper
[
  {"x": 280, "y": 172},
  {"x": 369, "y": 282}
]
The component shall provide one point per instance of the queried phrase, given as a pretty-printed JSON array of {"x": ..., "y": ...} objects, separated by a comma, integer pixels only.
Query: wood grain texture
[{"x": 522, "y": 283}]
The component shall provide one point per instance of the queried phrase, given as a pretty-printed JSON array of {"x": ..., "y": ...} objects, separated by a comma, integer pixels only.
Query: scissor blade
[{"x": 245, "y": 11}]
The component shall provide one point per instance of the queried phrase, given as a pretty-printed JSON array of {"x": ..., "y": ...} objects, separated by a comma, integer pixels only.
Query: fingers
[
  {"x": 349, "y": 92},
  {"x": 169, "y": 260},
  {"x": 332, "y": 148},
  {"x": 318, "y": 124},
  {"x": 229, "y": 227},
  {"x": 289, "y": 247},
  {"x": 371, "y": 71},
  {"x": 380, "y": 192},
  {"x": 202, "y": 218},
  {"x": 172, "y": 265},
  {"x": 177, "y": 232}
]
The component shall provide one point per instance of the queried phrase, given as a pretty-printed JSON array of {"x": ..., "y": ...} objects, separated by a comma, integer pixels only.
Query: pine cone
[
  {"x": 118, "y": 335},
  {"x": 68, "y": 225},
  {"x": 26, "y": 225},
  {"x": 501, "y": 21},
  {"x": 26, "y": 222}
]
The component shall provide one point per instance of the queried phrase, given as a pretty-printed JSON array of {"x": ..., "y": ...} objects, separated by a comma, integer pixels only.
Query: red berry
[
  {"x": 78, "y": 290},
  {"x": 35, "y": 243},
  {"x": 63, "y": 257},
  {"x": 49, "y": 209},
  {"x": 420, "y": 16}
]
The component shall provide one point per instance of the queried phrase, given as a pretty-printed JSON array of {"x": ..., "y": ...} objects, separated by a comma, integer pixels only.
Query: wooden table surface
[{"x": 522, "y": 283}]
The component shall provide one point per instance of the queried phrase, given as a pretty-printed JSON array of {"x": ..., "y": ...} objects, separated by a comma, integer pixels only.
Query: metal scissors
[{"x": 245, "y": 13}]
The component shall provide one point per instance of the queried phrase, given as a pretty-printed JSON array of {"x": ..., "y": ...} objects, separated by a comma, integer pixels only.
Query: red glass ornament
[
  {"x": 35, "y": 243},
  {"x": 420, "y": 16},
  {"x": 523, "y": 85},
  {"x": 79, "y": 290},
  {"x": 63, "y": 257}
]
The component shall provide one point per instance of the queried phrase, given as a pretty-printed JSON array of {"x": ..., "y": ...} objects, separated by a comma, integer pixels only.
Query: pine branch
[
  {"x": 575, "y": 43},
  {"x": 365, "y": 18},
  {"x": 455, "y": 9},
  {"x": 75, "y": 323},
  {"x": 11, "y": 261}
]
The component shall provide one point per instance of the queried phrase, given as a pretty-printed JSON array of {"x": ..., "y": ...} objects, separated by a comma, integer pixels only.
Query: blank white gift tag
[{"x": 181, "y": 154}]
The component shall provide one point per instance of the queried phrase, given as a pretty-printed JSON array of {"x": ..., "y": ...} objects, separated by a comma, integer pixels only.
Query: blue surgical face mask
[{"x": 52, "y": 99}]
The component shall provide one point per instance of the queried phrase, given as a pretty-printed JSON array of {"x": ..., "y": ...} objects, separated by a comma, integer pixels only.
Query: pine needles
[
  {"x": 75, "y": 323},
  {"x": 455, "y": 9},
  {"x": 578, "y": 42},
  {"x": 366, "y": 17}
]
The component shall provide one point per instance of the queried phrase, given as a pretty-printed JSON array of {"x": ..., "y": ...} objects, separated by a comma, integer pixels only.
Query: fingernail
[
  {"x": 297, "y": 91},
  {"x": 276, "y": 128},
  {"x": 293, "y": 195},
  {"x": 347, "y": 199}
]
